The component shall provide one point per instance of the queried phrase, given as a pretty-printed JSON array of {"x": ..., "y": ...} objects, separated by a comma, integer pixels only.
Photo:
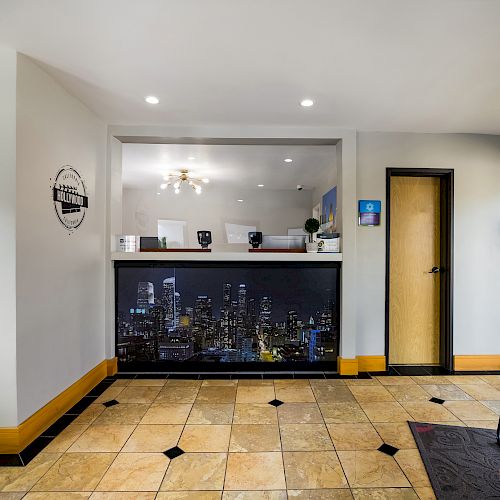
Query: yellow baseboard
[
  {"x": 371, "y": 363},
  {"x": 347, "y": 366},
  {"x": 112, "y": 366},
  {"x": 15, "y": 439},
  {"x": 476, "y": 362}
]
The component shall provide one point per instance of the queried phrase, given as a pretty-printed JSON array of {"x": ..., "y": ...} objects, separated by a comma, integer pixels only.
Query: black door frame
[{"x": 446, "y": 275}]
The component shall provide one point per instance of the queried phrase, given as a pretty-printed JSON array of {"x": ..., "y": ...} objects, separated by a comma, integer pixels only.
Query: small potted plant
[{"x": 311, "y": 226}]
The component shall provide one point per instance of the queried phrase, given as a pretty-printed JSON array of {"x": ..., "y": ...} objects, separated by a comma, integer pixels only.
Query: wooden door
[{"x": 414, "y": 297}]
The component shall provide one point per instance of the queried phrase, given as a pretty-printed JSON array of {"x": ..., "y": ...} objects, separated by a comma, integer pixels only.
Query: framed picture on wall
[{"x": 329, "y": 211}]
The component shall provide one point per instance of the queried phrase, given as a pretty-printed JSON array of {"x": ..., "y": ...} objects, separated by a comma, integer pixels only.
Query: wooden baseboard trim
[
  {"x": 347, "y": 366},
  {"x": 476, "y": 362},
  {"x": 371, "y": 363},
  {"x": 15, "y": 439},
  {"x": 112, "y": 366}
]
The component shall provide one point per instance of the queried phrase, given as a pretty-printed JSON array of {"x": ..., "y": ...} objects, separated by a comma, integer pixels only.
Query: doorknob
[{"x": 434, "y": 270}]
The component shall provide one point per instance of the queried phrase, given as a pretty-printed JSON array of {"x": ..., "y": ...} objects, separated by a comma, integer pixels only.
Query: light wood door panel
[{"x": 414, "y": 298}]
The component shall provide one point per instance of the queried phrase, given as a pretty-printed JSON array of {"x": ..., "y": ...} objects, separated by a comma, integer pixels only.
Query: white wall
[
  {"x": 476, "y": 161},
  {"x": 271, "y": 211},
  {"x": 60, "y": 277},
  {"x": 8, "y": 382}
]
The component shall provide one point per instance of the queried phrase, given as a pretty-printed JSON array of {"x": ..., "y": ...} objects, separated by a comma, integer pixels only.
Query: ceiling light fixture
[
  {"x": 307, "y": 103},
  {"x": 239, "y": 201},
  {"x": 177, "y": 180},
  {"x": 151, "y": 99},
  {"x": 191, "y": 158},
  {"x": 288, "y": 160},
  {"x": 260, "y": 185}
]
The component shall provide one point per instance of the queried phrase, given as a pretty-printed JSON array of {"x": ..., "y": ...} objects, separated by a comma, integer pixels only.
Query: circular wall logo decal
[{"x": 70, "y": 197}]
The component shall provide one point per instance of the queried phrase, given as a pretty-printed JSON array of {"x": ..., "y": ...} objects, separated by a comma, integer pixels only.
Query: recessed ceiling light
[
  {"x": 260, "y": 185},
  {"x": 205, "y": 180},
  {"x": 163, "y": 186},
  {"x": 307, "y": 103},
  {"x": 158, "y": 193},
  {"x": 151, "y": 99},
  {"x": 288, "y": 160},
  {"x": 191, "y": 158},
  {"x": 240, "y": 201}
]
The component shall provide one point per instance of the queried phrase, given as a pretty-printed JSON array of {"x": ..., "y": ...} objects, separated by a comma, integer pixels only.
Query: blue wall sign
[{"x": 369, "y": 212}]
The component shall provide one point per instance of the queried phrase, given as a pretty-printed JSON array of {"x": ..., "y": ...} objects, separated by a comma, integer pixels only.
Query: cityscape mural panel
[{"x": 227, "y": 314}]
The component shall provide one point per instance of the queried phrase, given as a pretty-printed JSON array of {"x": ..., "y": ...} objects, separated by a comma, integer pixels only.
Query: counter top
[{"x": 228, "y": 256}]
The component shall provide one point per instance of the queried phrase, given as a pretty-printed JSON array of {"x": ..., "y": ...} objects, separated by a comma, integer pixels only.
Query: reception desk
[{"x": 227, "y": 311}]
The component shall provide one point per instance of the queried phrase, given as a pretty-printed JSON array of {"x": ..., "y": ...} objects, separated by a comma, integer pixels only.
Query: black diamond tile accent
[
  {"x": 388, "y": 449},
  {"x": 113, "y": 402},
  {"x": 173, "y": 452},
  {"x": 437, "y": 400},
  {"x": 276, "y": 402}
]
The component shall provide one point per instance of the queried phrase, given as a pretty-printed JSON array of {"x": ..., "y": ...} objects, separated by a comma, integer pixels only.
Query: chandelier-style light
[{"x": 177, "y": 181}]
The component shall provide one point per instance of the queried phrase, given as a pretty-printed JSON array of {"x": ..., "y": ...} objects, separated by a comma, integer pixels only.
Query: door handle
[{"x": 434, "y": 270}]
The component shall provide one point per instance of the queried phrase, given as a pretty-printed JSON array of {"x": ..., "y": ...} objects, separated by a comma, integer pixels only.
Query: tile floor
[{"x": 320, "y": 443}]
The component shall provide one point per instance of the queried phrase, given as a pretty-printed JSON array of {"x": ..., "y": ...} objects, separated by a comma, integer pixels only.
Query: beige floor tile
[
  {"x": 102, "y": 438},
  {"x": 396, "y": 434},
  {"x": 205, "y": 438},
  {"x": 305, "y": 437},
  {"x": 371, "y": 394},
  {"x": 153, "y": 438},
  {"x": 324, "y": 494},
  {"x": 431, "y": 379},
  {"x": 342, "y": 413},
  {"x": 219, "y": 383},
  {"x": 470, "y": 410},
  {"x": 385, "y": 412},
  {"x": 148, "y": 382},
  {"x": 254, "y": 495},
  {"x": 384, "y": 494},
  {"x": 13, "y": 495},
  {"x": 254, "y": 471},
  {"x": 110, "y": 393},
  {"x": 122, "y": 382},
  {"x": 465, "y": 379},
  {"x": 255, "y": 394},
  {"x": 332, "y": 394},
  {"x": 122, "y": 414},
  {"x": 75, "y": 472},
  {"x": 165, "y": 413},
  {"x": 208, "y": 413},
  {"x": 290, "y": 382},
  {"x": 178, "y": 395},
  {"x": 408, "y": 392},
  {"x": 481, "y": 392},
  {"x": 299, "y": 413},
  {"x": 255, "y": 413},
  {"x": 173, "y": 382},
  {"x": 372, "y": 469},
  {"x": 61, "y": 495},
  {"x": 254, "y": 437},
  {"x": 313, "y": 470},
  {"x": 448, "y": 392},
  {"x": 135, "y": 472},
  {"x": 65, "y": 439},
  {"x": 189, "y": 495},
  {"x": 216, "y": 395},
  {"x": 123, "y": 495},
  {"x": 362, "y": 381},
  {"x": 138, "y": 394},
  {"x": 425, "y": 411},
  {"x": 426, "y": 493},
  {"x": 294, "y": 394},
  {"x": 23, "y": 478},
  {"x": 413, "y": 467},
  {"x": 354, "y": 436},
  {"x": 323, "y": 382},
  {"x": 248, "y": 382},
  {"x": 89, "y": 414},
  {"x": 195, "y": 471},
  {"x": 493, "y": 406},
  {"x": 396, "y": 380},
  {"x": 490, "y": 379},
  {"x": 482, "y": 424}
]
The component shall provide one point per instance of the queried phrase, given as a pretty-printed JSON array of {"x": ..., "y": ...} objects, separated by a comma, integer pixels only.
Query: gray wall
[
  {"x": 60, "y": 277},
  {"x": 476, "y": 161}
]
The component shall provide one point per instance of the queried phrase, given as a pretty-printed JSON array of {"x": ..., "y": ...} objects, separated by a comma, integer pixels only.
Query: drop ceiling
[{"x": 386, "y": 65}]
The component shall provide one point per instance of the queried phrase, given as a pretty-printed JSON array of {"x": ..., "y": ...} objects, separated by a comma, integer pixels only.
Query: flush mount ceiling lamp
[{"x": 177, "y": 181}]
